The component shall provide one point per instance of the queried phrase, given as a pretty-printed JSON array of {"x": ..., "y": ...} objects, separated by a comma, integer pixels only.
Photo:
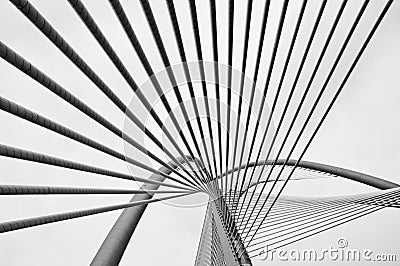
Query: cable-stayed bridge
[{"x": 198, "y": 126}]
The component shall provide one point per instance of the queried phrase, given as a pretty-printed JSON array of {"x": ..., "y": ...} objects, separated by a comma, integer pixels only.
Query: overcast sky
[{"x": 361, "y": 132}]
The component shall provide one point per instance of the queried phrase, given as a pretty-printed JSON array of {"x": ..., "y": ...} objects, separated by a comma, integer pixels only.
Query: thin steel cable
[
  {"x": 30, "y": 222},
  {"x": 312, "y": 78},
  {"x": 49, "y": 190},
  {"x": 378, "y": 21},
  {"x": 341, "y": 219},
  {"x": 21, "y": 154},
  {"x": 322, "y": 220},
  {"x": 356, "y": 213},
  {"x": 269, "y": 74},
  {"x": 299, "y": 177},
  {"x": 289, "y": 212},
  {"x": 244, "y": 63},
  {"x": 300, "y": 170},
  {"x": 305, "y": 93},
  {"x": 231, "y": 200},
  {"x": 315, "y": 206},
  {"x": 327, "y": 41},
  {"x": 323, "y": 210},
  {"x": 296, "y": 205},
  {"x": 254, "y": 83},
  {"x": 305, "y": 54},
  {"x": 369, "y": 37},
  {"x": 288, "y": 57},
  {"x": 35, "y": 118},
  {"x": 283, "y": 210}
]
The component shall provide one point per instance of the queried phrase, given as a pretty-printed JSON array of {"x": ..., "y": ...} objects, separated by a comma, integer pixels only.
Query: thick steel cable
[
  {"x": 182, "y": 53},
  {"x": 164, "y": 56},
  {"x": 40, "y": 22},
  {"x": 49, "y": 190},
  {"x": 21, "y": 154},
  {"x": 196, "y": 33},
  {"x": 283, "y": 74},
  {"x": 242, "y": 78},
  {"x": 96, "y": 32},
  {"x": 231, "y": 14},
  {"x": 214, "y": 38},
  {"x": 369, "y": 37},
  {"x": 30, "y": 116},
  {"x": 123, "y": 19},
  {"x": 17, "y": 61},
  {"x": 30, "y": 222},
  {"x": 266, "y": 87}
]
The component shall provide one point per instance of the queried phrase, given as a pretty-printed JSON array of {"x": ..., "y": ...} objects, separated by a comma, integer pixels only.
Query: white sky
[{"x": 361, "y": 132}]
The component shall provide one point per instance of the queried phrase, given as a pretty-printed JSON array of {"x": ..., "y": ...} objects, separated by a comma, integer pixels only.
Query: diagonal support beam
[{"x": 114, "y": 245}]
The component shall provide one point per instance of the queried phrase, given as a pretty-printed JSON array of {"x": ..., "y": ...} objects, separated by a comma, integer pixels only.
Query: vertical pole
[
  {"x": 216, "y": 232},
  {"x": 234, "y": 237}
]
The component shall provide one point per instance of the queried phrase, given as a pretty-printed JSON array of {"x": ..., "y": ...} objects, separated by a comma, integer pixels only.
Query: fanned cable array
[{"x": 231, "y": 115}]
